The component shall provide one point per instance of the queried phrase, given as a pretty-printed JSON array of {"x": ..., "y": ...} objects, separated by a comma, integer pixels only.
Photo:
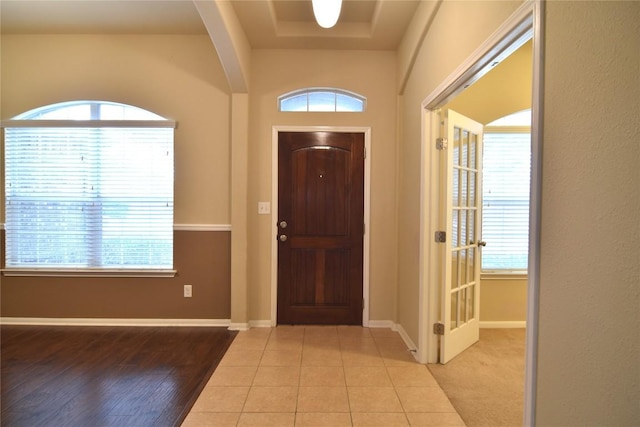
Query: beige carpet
[{"x": 486, "y": 382}]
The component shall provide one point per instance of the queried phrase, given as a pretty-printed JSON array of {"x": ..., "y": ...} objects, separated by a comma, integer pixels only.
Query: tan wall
[
  {"x": 371, "y": 74},
  {"x": 444, "y": 48},
  {"x": 503, "y": 300},
  {"x": 178, "y": 77},
  {"x": 506, "y": 89},
  {"x": 588, "y": 370},
  {"x": 201, "y": 258}
]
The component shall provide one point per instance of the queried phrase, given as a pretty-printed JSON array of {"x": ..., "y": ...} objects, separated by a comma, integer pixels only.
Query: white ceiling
[{"x": 268, "y": 24}]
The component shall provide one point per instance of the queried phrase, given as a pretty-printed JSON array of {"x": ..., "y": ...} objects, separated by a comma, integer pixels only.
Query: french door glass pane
[
  {"x": 454, "y": 229},
  {"x": 464, "y": 161},
  {"x": 470, "y": 302},
  {"x": 463, "y": 228},
  {"x": 455, "y": 192},
  {"x": 455, "y": 267},
  {"x": 473, "y": 141},
  {"x": 463, "y": 306},
  {"x": 454, "y": 309}
]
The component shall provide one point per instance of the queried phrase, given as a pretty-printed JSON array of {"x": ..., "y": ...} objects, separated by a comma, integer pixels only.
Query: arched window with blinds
[
  {"x": 89, "y": 186},
  {"x": 505, "y": 192}
]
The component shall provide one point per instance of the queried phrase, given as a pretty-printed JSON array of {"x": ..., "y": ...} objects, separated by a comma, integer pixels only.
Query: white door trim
[
  {"x": 274, "y": 210},
  {"x": 523, "y": 24}
]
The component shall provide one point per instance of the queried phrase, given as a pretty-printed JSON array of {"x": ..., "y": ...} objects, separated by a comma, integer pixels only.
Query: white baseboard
[
  {"x": 397, "y": 328},
  {"x": 238, "y": 326},
  {"x": 202, "y": 227},
  {"x": 259, "y": 323},
  {"x": 503, "y": 324},
  {"x": 381, "y": 324},
  {"x": 51, "y": 321},
  {"x": 411, "y": 347}
]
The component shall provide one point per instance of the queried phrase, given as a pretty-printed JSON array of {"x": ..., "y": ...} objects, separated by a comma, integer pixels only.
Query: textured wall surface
[{"x": 588, "y": 369}]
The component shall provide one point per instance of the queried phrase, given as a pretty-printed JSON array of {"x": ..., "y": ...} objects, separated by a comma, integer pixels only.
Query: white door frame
[
  {"x": 274, "y": 210},
  {"x": 524, "y": 24}
]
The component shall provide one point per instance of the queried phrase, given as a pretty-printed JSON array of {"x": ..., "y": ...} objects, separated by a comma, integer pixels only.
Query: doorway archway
[{"x": 525, "y": 24}]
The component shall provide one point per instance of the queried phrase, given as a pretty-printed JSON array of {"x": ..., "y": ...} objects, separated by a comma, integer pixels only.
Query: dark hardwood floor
[{"x": 105, "y": 376}]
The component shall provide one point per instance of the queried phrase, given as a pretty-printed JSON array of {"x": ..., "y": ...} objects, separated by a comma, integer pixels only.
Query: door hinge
[
  {"x": 442, "y": 144},
  {"x": 441, "y": 236},
  {"x": 438, "y": 328}
]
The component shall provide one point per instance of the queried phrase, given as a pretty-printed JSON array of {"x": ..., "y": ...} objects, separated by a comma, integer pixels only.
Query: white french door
[{"x": 462, "y": 221}]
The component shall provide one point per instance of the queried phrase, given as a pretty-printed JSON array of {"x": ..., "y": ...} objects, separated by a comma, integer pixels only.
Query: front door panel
[{"x": 320, "y": 227}]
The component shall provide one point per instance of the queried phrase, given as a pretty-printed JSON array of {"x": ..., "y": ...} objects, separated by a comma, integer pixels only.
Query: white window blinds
[
  {"x": 98, "y": 195},
  {"x": 505, "y": 215}
]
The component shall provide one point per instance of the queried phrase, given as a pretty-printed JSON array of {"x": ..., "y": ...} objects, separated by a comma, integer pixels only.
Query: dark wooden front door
[{"x": 320, "y": 227}]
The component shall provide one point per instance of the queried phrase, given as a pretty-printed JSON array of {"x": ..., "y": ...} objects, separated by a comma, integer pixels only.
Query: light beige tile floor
[{"x": 321, "y": 376}]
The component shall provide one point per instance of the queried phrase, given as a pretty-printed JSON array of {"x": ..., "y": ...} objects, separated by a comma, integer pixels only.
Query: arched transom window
[{"x": 322, "y": 100}]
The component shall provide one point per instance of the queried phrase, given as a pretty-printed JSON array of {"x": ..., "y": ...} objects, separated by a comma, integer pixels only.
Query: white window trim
[
  {"x": 504, "y": 275},
  {"x": 87, "y": 272}
]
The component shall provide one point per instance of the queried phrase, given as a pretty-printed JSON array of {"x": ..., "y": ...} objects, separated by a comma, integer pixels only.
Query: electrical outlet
[{"x": 187, "y": 291}]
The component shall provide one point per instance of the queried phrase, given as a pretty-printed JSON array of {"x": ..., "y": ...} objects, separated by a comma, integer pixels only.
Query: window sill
[
  {"x": 60, "y": 272},
  {"x": 504, "y": 275}
]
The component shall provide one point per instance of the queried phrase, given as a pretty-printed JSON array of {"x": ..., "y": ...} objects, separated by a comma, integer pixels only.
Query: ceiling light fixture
[{"x": 326, "y": 12}]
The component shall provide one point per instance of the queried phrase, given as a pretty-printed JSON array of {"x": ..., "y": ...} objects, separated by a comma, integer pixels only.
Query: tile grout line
[
  {"x": 346, "y": 386},
  {"x": 254, "y": 378},
  {"x": 295, "y": 414},
  {"x": 386, "y": 368},
  {"x": 395, "y": 390}
]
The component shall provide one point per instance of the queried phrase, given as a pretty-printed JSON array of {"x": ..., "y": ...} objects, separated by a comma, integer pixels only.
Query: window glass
[
  {"x": 71, "y": 111},
  {"x": 89, "y": 197},
  {"x": 505, "y": 214},
  {"x": 348, "y": 103},
  {"x": 295, "y": 103},
  {"x": 323, "y": 100},
  {"x": 88, "y": 110}
]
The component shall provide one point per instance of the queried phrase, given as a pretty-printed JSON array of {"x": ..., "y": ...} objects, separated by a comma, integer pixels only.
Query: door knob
[
  {"x": 282, "y": 237},
  {"x": 283, "y": 224},
  {"x": 482, "y": 243}
]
